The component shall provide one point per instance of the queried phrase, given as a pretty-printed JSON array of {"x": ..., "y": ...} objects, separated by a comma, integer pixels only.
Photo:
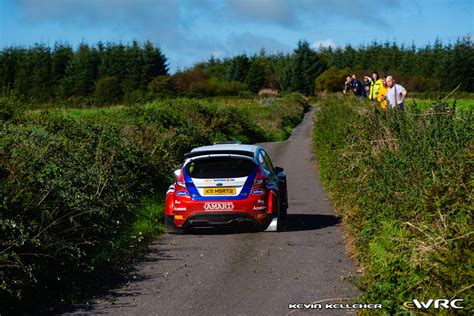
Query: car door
[
  {"x": 269, "y": 170},
  {"x": 277, "y": 175}
]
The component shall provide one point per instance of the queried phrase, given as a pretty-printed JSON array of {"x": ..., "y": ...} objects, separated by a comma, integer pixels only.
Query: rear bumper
[{"x": 211, "y": 219}]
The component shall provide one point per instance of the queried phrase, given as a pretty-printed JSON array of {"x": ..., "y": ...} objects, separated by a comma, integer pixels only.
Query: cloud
[
  {"x": 278, "y": 12},
  {"x": 250, "y": 43},
  {"x": 323, "y": 43}
]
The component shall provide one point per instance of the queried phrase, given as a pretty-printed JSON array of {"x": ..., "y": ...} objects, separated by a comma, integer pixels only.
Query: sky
[{"x": 190, "y": 31}]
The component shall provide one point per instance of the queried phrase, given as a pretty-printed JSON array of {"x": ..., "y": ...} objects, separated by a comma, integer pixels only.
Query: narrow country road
[{"x": 247, "y": 273}]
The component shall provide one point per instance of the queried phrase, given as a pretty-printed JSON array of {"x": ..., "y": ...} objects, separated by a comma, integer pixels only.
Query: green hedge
[
  {"x": 403, "y": 183},
  {"x": 81, "y": 192}
]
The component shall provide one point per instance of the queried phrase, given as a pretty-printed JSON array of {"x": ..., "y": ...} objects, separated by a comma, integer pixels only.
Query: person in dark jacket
[{"x": 357, "y": 87}]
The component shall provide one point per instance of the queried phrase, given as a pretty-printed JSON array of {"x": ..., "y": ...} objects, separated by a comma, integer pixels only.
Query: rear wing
[{"x": 218, "y": 152}]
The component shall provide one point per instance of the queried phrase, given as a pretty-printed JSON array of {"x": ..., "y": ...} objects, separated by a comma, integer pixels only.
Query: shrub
[
  {"x": 331, "y": 80},
  {"x": 403, "y": 184},
  {"x": 69, "y": 191},
  {"x": 11, "y": 108},
  {"x": 161, "y": 87},
  {"x": 187, "y": 83},
  {"x": 108, "y": 90}
]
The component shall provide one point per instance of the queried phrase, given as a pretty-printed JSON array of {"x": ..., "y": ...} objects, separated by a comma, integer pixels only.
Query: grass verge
[{"x": 403, "y": 184}]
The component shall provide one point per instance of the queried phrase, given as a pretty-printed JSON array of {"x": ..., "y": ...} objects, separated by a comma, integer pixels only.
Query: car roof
[{"x": 247, "y": 150}]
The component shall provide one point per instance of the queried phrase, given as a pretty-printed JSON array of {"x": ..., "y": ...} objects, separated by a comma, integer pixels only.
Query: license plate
[{"x": 220, "y": 191}]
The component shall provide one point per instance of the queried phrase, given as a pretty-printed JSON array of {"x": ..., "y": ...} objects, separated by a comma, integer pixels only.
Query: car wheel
[{"x": 281, "y": 225}]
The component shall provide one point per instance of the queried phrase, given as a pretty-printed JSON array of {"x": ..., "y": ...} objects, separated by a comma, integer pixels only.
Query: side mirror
[
  {"x": 279, "y": 170},
  {"x": 177, "y": 173}
]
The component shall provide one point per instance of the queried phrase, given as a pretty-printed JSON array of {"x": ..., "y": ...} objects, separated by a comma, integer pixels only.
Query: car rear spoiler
[{"x": 218, "y": 152}]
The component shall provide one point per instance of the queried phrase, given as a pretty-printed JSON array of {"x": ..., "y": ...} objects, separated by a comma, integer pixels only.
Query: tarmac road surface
[{"x": 245, "y": 273}]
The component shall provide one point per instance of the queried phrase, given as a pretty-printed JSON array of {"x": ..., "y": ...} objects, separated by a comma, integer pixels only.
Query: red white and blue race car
[{"x": 227, "y": 184}]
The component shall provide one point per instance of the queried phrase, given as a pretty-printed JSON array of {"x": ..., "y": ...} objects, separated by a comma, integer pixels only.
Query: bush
[
  {"x": 69, "y": 191},
  {"x": 161, "y": 87},
  {"x": 11, "y": 108},
  {"x": 332, "y": 80},
  {"x": 187, "y": 83},
  {"x": 195, "y": 83},
  {"x": 402, "y": 181},
  {"x": 108, "y": 90}
]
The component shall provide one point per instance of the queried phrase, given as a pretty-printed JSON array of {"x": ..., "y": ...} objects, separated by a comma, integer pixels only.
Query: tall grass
[{"x": 403, "y": 183}]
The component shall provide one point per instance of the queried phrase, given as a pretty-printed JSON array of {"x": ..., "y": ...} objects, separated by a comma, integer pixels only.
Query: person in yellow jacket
[
  {"x": 375, "y": 86},
  {"x": 382, "y": 94}
]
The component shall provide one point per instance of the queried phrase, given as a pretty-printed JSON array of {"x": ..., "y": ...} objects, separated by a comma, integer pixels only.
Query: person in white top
[{"x": 395, "y": 94}]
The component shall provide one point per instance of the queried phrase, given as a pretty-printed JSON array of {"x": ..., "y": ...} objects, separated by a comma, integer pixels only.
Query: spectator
[
  {"x": 357, "y": 88},
  {"x": 396, "y": 94},
  {"x": 367, "y": 83},
  {"x": 375, "y": 86},
  {"x": 382, "y": 94},
  {"x": 347, "y": 85}
]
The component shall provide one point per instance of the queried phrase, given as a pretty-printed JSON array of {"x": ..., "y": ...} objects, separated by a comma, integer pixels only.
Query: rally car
[{"x": 227, "y": 184}]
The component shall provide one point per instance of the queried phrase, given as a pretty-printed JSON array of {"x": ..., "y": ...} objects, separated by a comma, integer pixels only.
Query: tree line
[
  {"x": 105, "y": 73},
  {"x": 114, "y": 73}
]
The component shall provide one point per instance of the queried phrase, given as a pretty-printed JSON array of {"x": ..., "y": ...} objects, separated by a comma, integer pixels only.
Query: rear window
[{"x": 220, "y": 167}]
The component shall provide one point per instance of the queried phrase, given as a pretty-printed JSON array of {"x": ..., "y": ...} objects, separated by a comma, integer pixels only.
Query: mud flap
[
  {"x": 170, "y": 226},
  {"x": 273, "y": 226}
]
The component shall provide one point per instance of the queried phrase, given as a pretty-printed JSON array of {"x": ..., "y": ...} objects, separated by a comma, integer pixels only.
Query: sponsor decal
[
  {"x": 177, "y": 202},
  {"x": 257, "y": 191},
  {"x": 180, "y": 209},
  {"x": 224, "y": 180},
  {"x": 435, "y": 303},
  {"x": 218, "y": 206},
  {"x": 182, "y": 193},
  {"x": 259, "y": 208},
  {"x": 178, "y": 217},
  {"x": 260, "y": 201}
]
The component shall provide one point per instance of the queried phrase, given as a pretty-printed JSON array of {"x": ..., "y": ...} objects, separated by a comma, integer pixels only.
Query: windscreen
[{"x": 220, "y": 167}]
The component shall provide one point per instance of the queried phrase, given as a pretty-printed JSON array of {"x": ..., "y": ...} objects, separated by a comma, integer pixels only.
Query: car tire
[
  {"x": 170, "y": 226},
  {"x": 281, "y": 224}
]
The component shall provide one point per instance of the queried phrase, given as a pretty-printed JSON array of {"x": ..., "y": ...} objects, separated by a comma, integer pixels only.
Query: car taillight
[
  {"x": 180, "y": 179},
  {"x": 258, "y": 177}
]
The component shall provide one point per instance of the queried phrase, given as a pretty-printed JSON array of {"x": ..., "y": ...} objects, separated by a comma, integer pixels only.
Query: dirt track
[{"x": 247, "y": 273}]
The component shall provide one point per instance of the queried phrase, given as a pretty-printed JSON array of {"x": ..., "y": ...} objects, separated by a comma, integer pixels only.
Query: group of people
[{"x": 384, "y": 90}]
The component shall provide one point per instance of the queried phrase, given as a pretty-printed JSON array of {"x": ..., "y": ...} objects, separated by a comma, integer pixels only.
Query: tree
[
  {"x": 256, "y": 75},
  {"x": 60, "y": 59},
  {"x": 154, "y": 63},
  {"x": 304, "y": 67},
  {"x": 237, "y": 68},
  {"x": 8, "y": 65},
  {"x": 133, "y": 73},
  {"x": 81, "y": 73},
  {"x": 108, "y": 91},
  {"x": 459, "y": 66},
  {"x": 40, "y": 75}
]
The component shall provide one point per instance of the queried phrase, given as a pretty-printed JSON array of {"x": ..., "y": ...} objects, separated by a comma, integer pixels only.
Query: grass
[{"x": 423, "y": 104}]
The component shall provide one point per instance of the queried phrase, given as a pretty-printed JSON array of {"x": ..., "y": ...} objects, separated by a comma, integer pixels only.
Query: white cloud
[{"x": 324, "y": 43}]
